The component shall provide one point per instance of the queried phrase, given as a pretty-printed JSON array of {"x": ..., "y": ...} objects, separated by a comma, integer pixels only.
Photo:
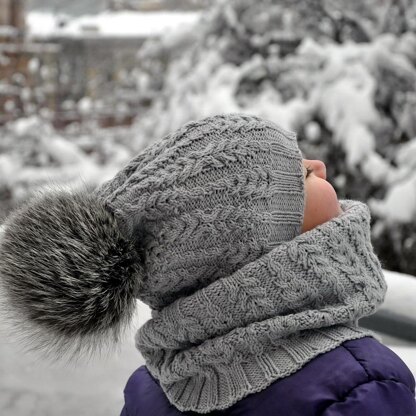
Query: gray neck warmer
[{"x": 265, "y": 321}]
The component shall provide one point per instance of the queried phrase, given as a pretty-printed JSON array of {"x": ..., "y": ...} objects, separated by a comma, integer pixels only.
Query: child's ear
[{"x": 69, "y": 277}]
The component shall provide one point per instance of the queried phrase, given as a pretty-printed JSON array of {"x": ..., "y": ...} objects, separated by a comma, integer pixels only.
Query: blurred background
[{"x": 86, "y": 85}]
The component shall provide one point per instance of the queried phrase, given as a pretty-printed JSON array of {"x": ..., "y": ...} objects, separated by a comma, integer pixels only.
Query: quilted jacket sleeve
[
  {"x": 375, "y": 398},
  {"x": 144, "y": 397}
]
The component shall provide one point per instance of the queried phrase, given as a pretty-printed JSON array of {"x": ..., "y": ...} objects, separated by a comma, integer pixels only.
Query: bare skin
[{"x": 321, "y": 199}]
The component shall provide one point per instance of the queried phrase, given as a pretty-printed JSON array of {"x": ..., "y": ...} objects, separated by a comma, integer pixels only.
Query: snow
[
  {"x": 122, "y": 24},
  {"x": 291, "y": 113},
  {"x": 8, "y": 31},
  {"x": 399, "y": 205},
  {"x": 85, "y": 105},
  {"x": 33, "y": 48},
  {"x": 313, "y": 131},
  {"x": 38, "y": 156},
  {"x": 407, "y": 354},
  {"x": 375, "y": 168},
  {"x": 358, "y": 141},
  {"x": 25, "y": 125},
  {"x": 41, "y": 24},
  {"x": 401, "y": 293},
  {"x": 406, "y": 154},
  {"x": 344, "y": 97}
]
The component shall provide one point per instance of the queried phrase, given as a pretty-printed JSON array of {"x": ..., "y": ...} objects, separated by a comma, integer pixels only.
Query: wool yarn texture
[
  {"x": 208, "y": 199},
  {"x": 265, "y": 321},
  {"x": 204, "y": 226}
]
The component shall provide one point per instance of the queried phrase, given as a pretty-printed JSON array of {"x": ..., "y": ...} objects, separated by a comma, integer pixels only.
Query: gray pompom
[{"x": 68, "y": 276}]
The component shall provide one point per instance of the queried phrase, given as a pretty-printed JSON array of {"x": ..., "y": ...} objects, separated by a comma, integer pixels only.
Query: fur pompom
[{"x": 69, "y": 278}]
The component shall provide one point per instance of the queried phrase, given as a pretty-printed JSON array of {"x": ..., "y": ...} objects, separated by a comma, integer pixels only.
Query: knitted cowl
[{"x": 269, "y": 318}]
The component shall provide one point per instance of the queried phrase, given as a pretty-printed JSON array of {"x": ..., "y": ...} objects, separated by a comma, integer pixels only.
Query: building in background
[
  {"x": 98, "y": 64},
  {"x": 80, "y": 68},
  {"x": 28, "y": 70},
  {"x": 12, "y": 22}
]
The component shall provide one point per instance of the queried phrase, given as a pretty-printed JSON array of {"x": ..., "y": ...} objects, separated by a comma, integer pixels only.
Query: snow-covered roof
[
  {"x": 27, "y": 47},
  {"x": 123, "y": 24},
  {"x": 8, "y": 31}
]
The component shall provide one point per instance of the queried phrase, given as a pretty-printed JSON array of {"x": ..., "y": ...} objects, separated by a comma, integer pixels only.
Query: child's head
[
  {"x": 196, "y": 206},
  {"x": 208, "y": 199}
]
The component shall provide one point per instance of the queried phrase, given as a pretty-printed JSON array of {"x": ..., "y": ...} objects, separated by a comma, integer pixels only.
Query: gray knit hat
[{"x": 193, "y": 207}]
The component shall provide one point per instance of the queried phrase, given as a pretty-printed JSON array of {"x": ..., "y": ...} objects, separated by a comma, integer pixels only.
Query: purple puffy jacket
[{"x": 359, "y": 378}]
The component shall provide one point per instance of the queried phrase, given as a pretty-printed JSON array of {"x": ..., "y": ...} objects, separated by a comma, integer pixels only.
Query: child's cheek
[
  {"x": 321, "y": 203},
  {"x": 329, "y": 204}
]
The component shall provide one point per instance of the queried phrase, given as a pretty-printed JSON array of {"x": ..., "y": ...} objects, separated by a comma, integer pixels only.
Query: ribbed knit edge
[{"x": 220, "y": 390}]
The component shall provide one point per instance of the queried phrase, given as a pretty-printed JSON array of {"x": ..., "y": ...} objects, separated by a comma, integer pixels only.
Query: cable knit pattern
[
  {"x": 239, "y": 297},
  {"x": 267, "y": 319},
  {"x": 204, "y": 226},
  {"x": 206, "y": 200}
]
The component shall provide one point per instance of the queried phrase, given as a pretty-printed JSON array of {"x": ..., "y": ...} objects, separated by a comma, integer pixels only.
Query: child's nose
[{"x": 319, "y": 168}]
